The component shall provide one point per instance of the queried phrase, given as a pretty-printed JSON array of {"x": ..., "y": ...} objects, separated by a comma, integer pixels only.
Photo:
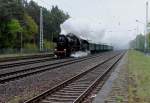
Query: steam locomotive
[{"x": 70, "y": 43}]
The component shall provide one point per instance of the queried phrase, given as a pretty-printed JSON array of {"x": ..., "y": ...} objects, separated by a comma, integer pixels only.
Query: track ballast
[{"x": 74, "y": 90}]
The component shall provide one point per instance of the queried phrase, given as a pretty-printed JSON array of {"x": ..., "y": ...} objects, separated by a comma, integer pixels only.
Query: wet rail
[
  {"x": 23, "y": 57},
  {"x": 16, "y": 74},
  {"x": 75, "y": 89},
  {"x": 24, "y": 62}
]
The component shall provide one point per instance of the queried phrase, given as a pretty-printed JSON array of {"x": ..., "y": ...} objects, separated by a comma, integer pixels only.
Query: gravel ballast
[
  {"x": 115, "y": 90},
  {"x": 27, "y": 87}
]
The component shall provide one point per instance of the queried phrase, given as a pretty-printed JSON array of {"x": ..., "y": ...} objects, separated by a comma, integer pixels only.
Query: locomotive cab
[
  {"x": 62, "y": 45},
  {"x": 66, "y": 44}
]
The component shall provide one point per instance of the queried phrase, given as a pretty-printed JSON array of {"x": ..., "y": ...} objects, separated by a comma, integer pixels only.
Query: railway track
[
  {"x": 10, "y": 76},
  {"x": 10, "y": 59},
  {"x": 24, "y": 62},
  {"x": 74, "y": 90},
  {"x": 5, "y": 65}
]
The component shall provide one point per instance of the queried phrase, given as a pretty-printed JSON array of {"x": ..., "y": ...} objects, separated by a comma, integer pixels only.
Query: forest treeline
[
  {"x": 20, "y": 20},
  {"x": 139, "y": 43}
]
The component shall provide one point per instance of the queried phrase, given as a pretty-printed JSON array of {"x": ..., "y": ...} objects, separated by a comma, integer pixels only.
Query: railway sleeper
[
  {"x": 83, "y": 81},
  {"x": 64, "y": 96},
  {"x": 73, "y": 92},
  {"x": 63, "y": 91},
  {"x": 74, "y": 87},
  {"x": 79, "y": 83},
  {"x": 60, "y": 99},
  {"x": 71, "y": 89},
  {"x": 47, "y": 101}
]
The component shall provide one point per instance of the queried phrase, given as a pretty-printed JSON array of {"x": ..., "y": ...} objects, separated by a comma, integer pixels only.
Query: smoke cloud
[
  {"x": 80, "y": 54},
  {"x": 83, "y": 29},
  {"x": 96, "y": 32}
]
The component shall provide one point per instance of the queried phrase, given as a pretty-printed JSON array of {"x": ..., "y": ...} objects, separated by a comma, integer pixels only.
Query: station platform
[{"x": 116, "y": 87}]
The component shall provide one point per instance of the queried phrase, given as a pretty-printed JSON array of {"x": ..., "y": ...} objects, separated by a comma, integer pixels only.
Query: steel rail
[
  {"x": 65, "y": 83},
  {"x": 8, "y": 65},
  {"x": 9, "y": 59},
  {"x": 9, "y": 76},
  {"x": 96, "y": 82}
]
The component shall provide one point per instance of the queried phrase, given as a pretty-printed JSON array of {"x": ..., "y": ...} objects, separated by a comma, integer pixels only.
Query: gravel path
[
  {"x": 115, "y": 90},
  {"x": 119, "y": 93},
  {"x": 25, "y": 88}
]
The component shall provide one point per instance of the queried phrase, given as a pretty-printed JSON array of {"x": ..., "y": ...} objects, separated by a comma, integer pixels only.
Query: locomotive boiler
[{"x": 70, "y": 43}]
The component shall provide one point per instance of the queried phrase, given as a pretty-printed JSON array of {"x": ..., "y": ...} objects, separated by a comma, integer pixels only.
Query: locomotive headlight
[
  {"x": 55, "y": 49},
  {"x": 64, "y": 49}
]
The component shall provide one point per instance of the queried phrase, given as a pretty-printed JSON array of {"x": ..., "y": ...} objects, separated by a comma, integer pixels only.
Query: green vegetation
[
  {"x": 119, "y": 99},
  {"x": 139, "y": 68},
  {"x": 139, "y": 41},
  {"x": 23, "y": 97},
  {"x": 14, "y": 26},
  {"x": 21, "y": 19},
  {"x": 48, "y": 44}
]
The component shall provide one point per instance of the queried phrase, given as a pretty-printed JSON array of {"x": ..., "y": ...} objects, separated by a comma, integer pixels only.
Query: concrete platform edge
[{"x": 107, "y": 87}]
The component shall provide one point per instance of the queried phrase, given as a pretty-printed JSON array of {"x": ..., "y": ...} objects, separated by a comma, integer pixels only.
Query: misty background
[{"x": 102, "y": 21}]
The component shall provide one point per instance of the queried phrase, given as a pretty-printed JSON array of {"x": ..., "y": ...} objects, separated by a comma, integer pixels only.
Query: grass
[
  {"x": 25, "y": 96},
  {"x": 119, "y": 99},
  {"x": 139, "y": 73}
]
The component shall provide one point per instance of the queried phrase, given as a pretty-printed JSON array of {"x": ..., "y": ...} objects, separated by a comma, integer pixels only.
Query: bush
[
  {"x": 29, "y": 48},
  {"x": 49, "y": 45}
]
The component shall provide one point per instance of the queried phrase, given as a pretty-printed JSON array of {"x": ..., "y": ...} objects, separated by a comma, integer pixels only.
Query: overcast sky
[{"x": 118, "y": 16}]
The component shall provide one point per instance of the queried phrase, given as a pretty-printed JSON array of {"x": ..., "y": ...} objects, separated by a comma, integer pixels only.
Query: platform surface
[{"x": 107, "y": 87}]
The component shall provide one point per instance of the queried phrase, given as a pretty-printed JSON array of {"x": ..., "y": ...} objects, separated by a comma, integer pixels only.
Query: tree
[
  {"x": 14, "y": 26},
  {"x": 33, "y": 10},
  {"x": 58, "y": 17},
  {"x": 30, "y": 28},
  {"x": 22, "y": 18},
  {"x": 138, "y": 42},
  {"x": 52, "y": 19},
  {"x": 11, "y": 29},
  {"x": 9, "y": 22}
]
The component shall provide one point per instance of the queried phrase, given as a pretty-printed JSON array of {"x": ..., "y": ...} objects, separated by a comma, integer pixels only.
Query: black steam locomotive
[{"x": 70, "y": 43}]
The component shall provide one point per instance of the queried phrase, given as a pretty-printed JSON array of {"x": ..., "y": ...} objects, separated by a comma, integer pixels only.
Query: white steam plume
[
  {"x": 83, "y": 29},
  {"x": 79, "y": 54},
  {"x": 97, "y": 32}
]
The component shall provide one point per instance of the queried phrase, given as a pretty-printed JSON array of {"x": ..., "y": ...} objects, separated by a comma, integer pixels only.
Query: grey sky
[{"x": 118, "y": 16}]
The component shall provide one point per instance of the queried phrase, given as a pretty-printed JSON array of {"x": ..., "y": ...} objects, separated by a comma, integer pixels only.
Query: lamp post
[
  {"x": 21, "y": 43},
  {"x": 146, "y": 46},
  {"x": 147, "y": 25},
  {"x": 41, "y": 29}
]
